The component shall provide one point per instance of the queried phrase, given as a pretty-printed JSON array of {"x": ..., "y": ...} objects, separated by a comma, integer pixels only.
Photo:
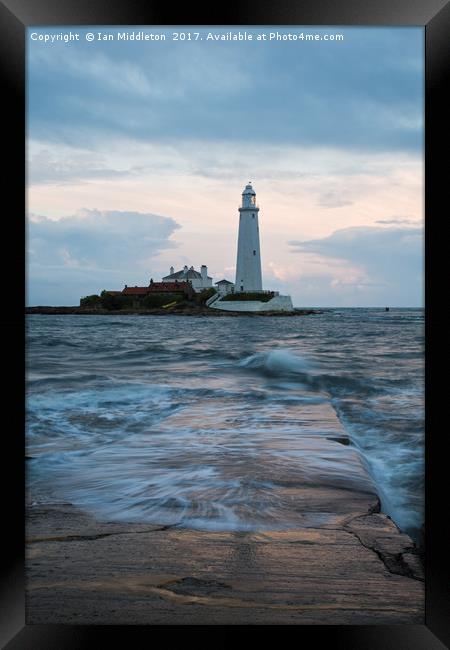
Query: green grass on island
[{"x": 254, "y": 295}]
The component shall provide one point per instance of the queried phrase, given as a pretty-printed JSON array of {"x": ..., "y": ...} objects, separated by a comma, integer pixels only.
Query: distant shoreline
[{"x": 181, "y": 311}]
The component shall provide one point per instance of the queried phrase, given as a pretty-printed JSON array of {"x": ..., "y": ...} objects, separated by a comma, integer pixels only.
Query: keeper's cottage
[{"x": 199, "y": 280}]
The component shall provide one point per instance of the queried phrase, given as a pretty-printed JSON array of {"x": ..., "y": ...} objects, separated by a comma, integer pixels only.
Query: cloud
[
  {"x": 325, "y": 170},
  {"x": 64, "y": 165},
  {"x": 364, "y": 92},
  {"x": 333, "y": 199},
  {"x": 92, "y": 250},
  {"x": 389, "y": 264},
  {"x": 397, "y": 221}
]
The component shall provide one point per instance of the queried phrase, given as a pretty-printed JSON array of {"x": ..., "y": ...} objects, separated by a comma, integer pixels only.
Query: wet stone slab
[
  {"x": 104, "y": 573},
  {"x": 360, "y": 571},
  {"x": 337, "y": 560}
]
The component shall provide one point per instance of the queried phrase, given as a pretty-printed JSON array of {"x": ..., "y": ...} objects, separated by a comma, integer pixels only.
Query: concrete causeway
[{"x": 343, "y": 562}]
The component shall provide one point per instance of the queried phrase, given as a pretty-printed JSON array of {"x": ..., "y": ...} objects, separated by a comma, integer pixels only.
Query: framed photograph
[{"x": 225, "y": 260}]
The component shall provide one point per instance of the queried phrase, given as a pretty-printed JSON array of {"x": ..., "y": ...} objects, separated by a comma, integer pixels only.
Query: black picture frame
[{"x": 15, "y": 17}]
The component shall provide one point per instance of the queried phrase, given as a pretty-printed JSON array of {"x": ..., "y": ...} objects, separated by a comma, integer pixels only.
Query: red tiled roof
[
  {"x": 157, "y": 287},
  {"x": 168, "y": 286},
  {"x": 134, "y": 291}
]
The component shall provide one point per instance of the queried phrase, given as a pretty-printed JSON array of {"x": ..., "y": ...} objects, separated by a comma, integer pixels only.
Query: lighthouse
[
  {"x": 248, "y": 269},
  {"x": 248, "y": 266}
]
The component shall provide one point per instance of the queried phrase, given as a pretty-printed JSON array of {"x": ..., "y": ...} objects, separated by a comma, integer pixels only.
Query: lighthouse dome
[{"x": 249, "y": 189}]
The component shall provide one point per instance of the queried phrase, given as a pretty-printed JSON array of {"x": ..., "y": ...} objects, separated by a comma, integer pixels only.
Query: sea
[{"x": 193, "y": 421}]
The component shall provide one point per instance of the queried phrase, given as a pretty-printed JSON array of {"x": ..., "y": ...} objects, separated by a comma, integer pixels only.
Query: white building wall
[
  {"x": 277, "y": 303},
  {"x": 224, "y": 289},
  {"x": 198, "y": 284}
]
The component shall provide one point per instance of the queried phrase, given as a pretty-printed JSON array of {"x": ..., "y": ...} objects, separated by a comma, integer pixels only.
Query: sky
[{"x": 138, "y": 152}]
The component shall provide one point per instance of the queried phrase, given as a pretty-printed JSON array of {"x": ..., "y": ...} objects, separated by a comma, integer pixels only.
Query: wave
[
  {"x": 382, "y": 415},
  {"x": 285, "y": 363},
  {"x": 182, "y": 418},
  {"x": 277, "y": 362}
]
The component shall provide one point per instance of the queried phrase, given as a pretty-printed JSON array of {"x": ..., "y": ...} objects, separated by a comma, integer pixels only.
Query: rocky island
[
  {"x": 181, "y": 310},
  {"x": 158, "y": 303}
]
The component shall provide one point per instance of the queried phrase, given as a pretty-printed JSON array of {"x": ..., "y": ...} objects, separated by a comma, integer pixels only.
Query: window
[{"x": 254, "y": 252}]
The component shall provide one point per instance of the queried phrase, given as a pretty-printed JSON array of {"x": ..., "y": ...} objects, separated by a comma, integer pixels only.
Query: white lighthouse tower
[{"x": 248, "y": 267}]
